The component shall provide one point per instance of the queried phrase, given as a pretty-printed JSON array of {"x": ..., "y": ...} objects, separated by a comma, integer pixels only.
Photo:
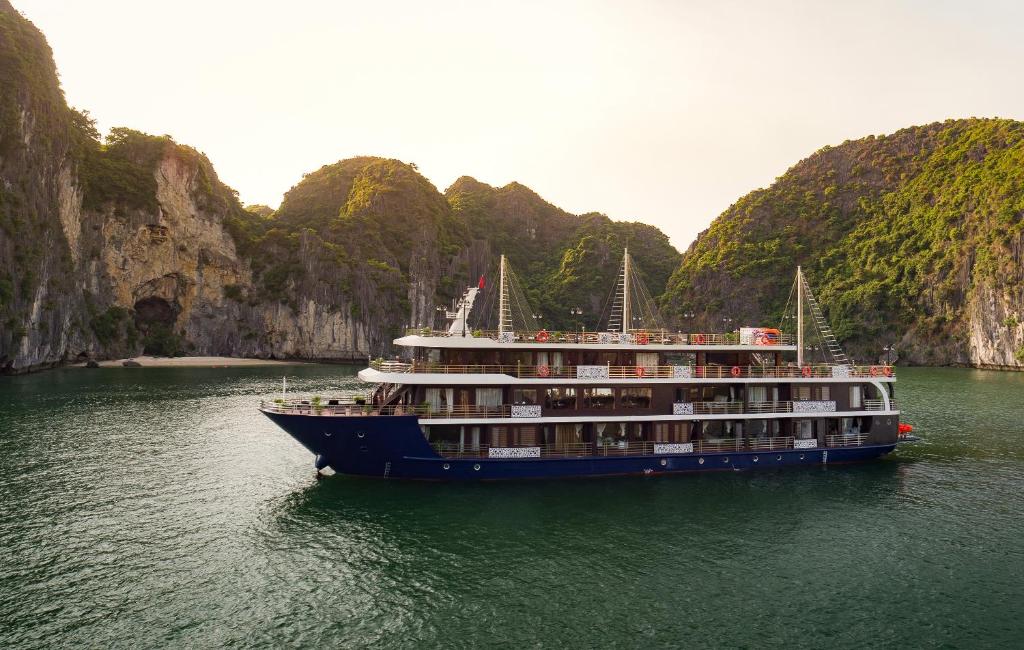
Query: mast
[
  {"x": 799, "y": 317},
  {"x": 504, "y": 313},
  {"x": 626, "y": 315}
]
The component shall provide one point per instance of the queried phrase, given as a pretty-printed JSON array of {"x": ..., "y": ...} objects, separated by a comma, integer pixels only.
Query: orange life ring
[
  {"x": 874, "y": 371},
  {"x": 543, "y": 371},
  {"x": 736, "y": 372},
  {"x": 640, "y": 371},
  {"x": 888, "y": 371},
  {"x": 642, "y": 338},
  {"x": 806, "y": 371},
  {"x": 699, "y": 339},
  {"x": 542, "y": 336}
]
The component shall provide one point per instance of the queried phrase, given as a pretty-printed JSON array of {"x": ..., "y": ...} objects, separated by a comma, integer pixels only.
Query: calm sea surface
[{"x": 156, "y": 508}]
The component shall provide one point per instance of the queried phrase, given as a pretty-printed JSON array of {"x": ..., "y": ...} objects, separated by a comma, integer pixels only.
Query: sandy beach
[{"x": 192, "y": 362}]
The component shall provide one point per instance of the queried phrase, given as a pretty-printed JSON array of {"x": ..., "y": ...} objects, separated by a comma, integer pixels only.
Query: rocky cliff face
[
  {"x": 111, "y": 248},
  {"x": 107, "y": 250},
  {"x": 913, "y": 239}
]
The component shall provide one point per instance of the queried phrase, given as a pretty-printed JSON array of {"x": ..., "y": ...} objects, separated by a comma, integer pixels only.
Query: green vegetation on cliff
[
  {"x": 902, "y": 236},
  {"x": 375, "y": 235}
]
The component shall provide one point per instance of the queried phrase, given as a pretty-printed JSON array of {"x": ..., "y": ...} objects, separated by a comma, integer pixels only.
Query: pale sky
[{"x": 661, "y": 112}]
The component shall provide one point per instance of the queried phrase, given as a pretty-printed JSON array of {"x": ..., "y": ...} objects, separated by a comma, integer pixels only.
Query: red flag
[{"x": 480, "y": 284}]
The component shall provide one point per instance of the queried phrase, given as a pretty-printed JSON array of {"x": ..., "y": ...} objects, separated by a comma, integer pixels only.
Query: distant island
[{"x": 130, "y": 244}]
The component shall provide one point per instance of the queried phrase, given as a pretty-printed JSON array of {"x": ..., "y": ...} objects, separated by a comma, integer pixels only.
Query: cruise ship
[{"x": 514, "y": 402}]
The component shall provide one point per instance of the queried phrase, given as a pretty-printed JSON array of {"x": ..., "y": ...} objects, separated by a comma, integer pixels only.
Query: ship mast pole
[
  {"x": 503, "y": 318},
  {"x": 626, "y": 315},
  {"x": 799, "y": 317}
]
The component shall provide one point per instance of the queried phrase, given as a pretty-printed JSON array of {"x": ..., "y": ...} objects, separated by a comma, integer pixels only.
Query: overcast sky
[{"x": 662, "y": 112}]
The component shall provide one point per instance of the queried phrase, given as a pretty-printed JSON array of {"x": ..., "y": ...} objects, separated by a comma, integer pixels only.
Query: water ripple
[{"x": 156, "y": 508}]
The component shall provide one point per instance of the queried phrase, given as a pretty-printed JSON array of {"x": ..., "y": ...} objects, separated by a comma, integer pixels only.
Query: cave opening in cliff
[{"x": 154, "y": 319}]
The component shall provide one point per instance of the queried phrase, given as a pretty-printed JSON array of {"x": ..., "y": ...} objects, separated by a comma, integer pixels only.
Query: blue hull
[{"x": 394, "y": 447}]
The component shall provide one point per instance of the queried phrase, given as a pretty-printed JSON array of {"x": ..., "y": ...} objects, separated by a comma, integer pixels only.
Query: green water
[{"x": 156, "y": 508}]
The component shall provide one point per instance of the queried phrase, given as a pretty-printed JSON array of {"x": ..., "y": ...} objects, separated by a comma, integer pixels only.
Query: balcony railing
[
  {"x": 423, "y": 411},
  {"x": 635, "y": 447},
  {"x": 633, "y": 337},
  {"x": 472, "y": 411},
  {"x": 846, "y": 440},
  {"x": 821, "y": 371},
  {"x": 879, "y": 405}
]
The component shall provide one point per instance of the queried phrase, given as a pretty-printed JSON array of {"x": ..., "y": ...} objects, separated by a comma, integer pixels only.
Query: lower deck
[
  {"x": 400, "y": 447},
  {"x": 643, "y": 448}
]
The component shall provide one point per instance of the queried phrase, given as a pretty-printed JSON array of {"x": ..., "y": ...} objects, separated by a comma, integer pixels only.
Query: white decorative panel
[
  {"x": 507, "y": 337},
  {"x": 591, "y": 372},
  {"x": 682, "y": 372},
  {"x": 513, "y": 452},
  {"x": 526, "y": 411},
  {"x": 823, "y": 406},
  {"x": 682, "y": 408},
  {"x": 605, "y": 337},
  {"x": 673, "y": 448},
  {"x": 625, "y": 338},
  {"x": 841, "y": 371},
  {"x": 805, "y": 444}
]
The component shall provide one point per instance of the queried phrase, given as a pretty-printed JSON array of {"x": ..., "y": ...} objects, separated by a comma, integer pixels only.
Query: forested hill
[
  {"x": 913, "y": 239},
  {"x": 130, "y": 243},
  {"x": 374, "y": 233}
]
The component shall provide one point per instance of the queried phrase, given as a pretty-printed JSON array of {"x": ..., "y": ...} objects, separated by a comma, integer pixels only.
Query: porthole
[
  {"x": 364, "y": 448},
  {"x": 725, "y": 460},
  {"x": 801, "y": 456},
  {"x": 664, "y": 462},
  {"x": 700, "y": 461},
  {"x": 755, "y": 459},
  {"x": 476, "y": 467},
  {"x": 779, "y": 457},
  {"x": 361, "y": 434},
  {"x": 446, "y": 466},
  {"x": 327, "y": 434}
]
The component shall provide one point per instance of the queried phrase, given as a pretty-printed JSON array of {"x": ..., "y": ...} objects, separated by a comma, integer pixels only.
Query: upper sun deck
[{"x": 755, "y": 339}]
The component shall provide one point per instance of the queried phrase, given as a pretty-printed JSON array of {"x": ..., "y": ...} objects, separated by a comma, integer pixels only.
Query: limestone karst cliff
[
  {"x": 914, "y": 239},
  {"x": 131, "y": 243}
]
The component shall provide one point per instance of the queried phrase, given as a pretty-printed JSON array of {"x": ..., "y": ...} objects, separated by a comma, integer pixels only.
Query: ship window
[
  {"x": 440, "y": 399},
  {"x": 524, "y": 396},
  {"x": 801, "y": 392},
  {"x": 488, "y": 397},
  {"x": 855, "y": 397},
  {"x": 824, "y": 393},
  {"x": 804, "y": 429},
  {"x": 647, "y": 359},
  {"x": 635, "y": 397},
  {"x": 661, "y": 431},
  {"x": 498, "y": 436},
  {"x": 526, "y": 436},
  {"x": 757, "y": 393},
  {"x": 560, "y": 398},
  {"x": 568, "y": 433},
  {"x": 598, "y": 398}
]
